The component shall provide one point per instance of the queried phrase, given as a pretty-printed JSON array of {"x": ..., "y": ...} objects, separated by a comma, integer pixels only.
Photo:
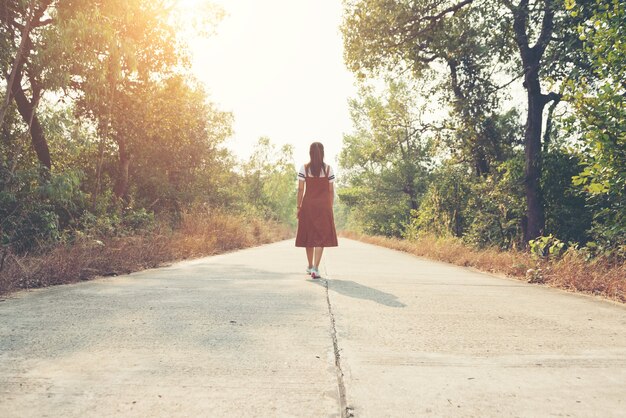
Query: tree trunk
[
  {"x": 16, "y": 68},
  {"x": 410, "y": 192},
  {"x": 481, "y": 164},
  {"x": 27, "y": 110},
  {"x": 532, "y": 170},
  {"x": 121, "y": 185}
]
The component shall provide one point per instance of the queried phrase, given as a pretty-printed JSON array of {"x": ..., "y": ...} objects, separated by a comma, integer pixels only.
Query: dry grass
[
  {"x": 572, "y": 272},
  {"x": 200, "y": 234}
]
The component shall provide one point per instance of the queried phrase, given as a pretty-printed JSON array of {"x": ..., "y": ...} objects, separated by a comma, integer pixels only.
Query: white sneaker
[
  {"x": 308, "y": 270},
  {"x": 315, "y": 274}
]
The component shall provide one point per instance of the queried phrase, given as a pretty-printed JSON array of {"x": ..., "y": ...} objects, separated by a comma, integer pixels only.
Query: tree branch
[
  {"x": 498, "y": 88},
  {"x": 549, "y": 119},
  {"x": 433, "y": 19},
  {"x": 520, "y": 13},
  {"x": 18, "y": 63},
  {"x": 450, "y": 9},
  {"x": 552, "y": 96},
  {"x": 43, "y": 23},
  {"x": 547, "y": 27}
]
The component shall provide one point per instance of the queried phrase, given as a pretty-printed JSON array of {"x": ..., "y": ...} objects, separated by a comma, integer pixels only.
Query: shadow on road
[{"x": 359, "y": 291}]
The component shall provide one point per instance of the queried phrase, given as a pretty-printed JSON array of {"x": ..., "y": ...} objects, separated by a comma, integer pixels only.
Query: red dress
[{"x": 316, "y": 224}]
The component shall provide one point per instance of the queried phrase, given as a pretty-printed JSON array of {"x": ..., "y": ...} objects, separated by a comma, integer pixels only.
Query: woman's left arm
[
  {"x": 299, "y": 198},
  {"x": 331, "y": 189}
]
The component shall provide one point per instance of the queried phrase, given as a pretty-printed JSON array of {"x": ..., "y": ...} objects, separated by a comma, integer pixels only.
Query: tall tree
[
  {"x": 129, "y": 46},
  {"x": 97, "y": 51},
  {"x": 423, "y": 34},
  {"x": 175, "y": 153},
  {"x": 21, "y": 23},
  {"x": 532, "y": 57}
]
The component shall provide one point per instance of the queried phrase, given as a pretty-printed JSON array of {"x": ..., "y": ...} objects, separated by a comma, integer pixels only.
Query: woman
[{"x": 316, "y": 225}]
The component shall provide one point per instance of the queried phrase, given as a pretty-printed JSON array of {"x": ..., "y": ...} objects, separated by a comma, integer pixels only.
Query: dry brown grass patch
[
  {"x": 199, "y": 234},
  {"x": 571, "y": 272}
]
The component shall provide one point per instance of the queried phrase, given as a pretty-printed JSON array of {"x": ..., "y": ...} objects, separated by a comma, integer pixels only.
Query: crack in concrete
[{"x": 346, "y": 411}]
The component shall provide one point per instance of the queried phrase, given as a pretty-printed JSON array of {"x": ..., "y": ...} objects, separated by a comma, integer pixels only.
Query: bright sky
[{"x": 278, "y": 66}]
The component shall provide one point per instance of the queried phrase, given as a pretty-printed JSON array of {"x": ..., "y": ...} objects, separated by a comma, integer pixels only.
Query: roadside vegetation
[
  {"x": 491, "y": 134},
  {"x": 111, "y": 153},
  {"x": 575, "y": 270},
  {"x": 199, "y": 233}
]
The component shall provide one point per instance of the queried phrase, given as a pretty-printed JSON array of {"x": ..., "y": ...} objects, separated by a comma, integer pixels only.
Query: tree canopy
[
  {"x": 104, "y": 126},
  {"x": 519, "y": 94}
]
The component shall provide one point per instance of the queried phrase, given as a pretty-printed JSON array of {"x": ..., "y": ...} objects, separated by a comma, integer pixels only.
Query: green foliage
[
  {"x": 374, "y": 213},
  {"x": 484, "y": 211},
  {"x": 175, "y": 157},
  {"x": 268, "y": 183},
  {"x": 386, "y": 158},
  {"x": 599, "y": 102},
  {"x": 113, "y": 224},
  {"x": 444, "y": 206},
  {"x": 137, "y": 220},
  {"x": 496, "y": 208},
  {"x": 455, "y": 53},
  {"x": 35, "y": 213},
  {"x": 131, "y": 132},
  {"x": 480, "y": 185},
  {"x": 547, "y": 247},
  {"x": 567, "y": 214}
]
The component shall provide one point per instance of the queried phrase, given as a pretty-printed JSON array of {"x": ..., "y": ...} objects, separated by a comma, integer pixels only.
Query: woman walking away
[{"x": 316, "y": 225}]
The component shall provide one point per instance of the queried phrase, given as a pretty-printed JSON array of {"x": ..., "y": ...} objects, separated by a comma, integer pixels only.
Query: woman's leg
[
  {"x": 318, "y": 256},
  {"x": 309, "y": 255}
]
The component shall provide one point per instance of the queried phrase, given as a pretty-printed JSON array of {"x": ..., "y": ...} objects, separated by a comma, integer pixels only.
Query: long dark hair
[{"x": 316, "y": 152}]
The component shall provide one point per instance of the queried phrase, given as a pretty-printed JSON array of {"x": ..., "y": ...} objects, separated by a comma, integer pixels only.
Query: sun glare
[
  {"x": 276, "y": 64},
  {"x": 196, "y": 18},
  {"x": 192, "y": 6}
]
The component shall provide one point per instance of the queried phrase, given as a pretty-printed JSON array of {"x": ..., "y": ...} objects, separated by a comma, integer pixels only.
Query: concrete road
[{"x": 246, "y": 334}]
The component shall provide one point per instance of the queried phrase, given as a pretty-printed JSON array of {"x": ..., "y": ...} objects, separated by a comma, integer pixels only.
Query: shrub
[{"x": 547, "y": 247}]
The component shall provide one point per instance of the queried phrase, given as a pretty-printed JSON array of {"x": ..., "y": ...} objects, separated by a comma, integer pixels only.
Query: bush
[
  {"x": 496, "y": 208},
  {"x": 443, "y": 210},
  {"x": 567, "y": 214},
  {"x": 547, "y": 247},
  {"x": 36, "y": 209}
]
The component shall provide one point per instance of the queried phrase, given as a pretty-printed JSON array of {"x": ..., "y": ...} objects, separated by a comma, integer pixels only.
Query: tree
[
  {"x": 94, "y": 51},
  {"x": 532, "y": 56},
  {"x": 176, "y": 160},
  {"x": 599, "y": 102},
  {"x": 128, "y": 48},
  {"x": 385, "y": 34},
  {"x": 387, "y": 156},
  {"x": 21, "y": 24}
]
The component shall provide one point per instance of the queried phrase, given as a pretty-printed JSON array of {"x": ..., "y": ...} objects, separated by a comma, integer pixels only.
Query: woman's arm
[
  {"x": 300, "y": 196},
  {"x": 331, "y": 189}
]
